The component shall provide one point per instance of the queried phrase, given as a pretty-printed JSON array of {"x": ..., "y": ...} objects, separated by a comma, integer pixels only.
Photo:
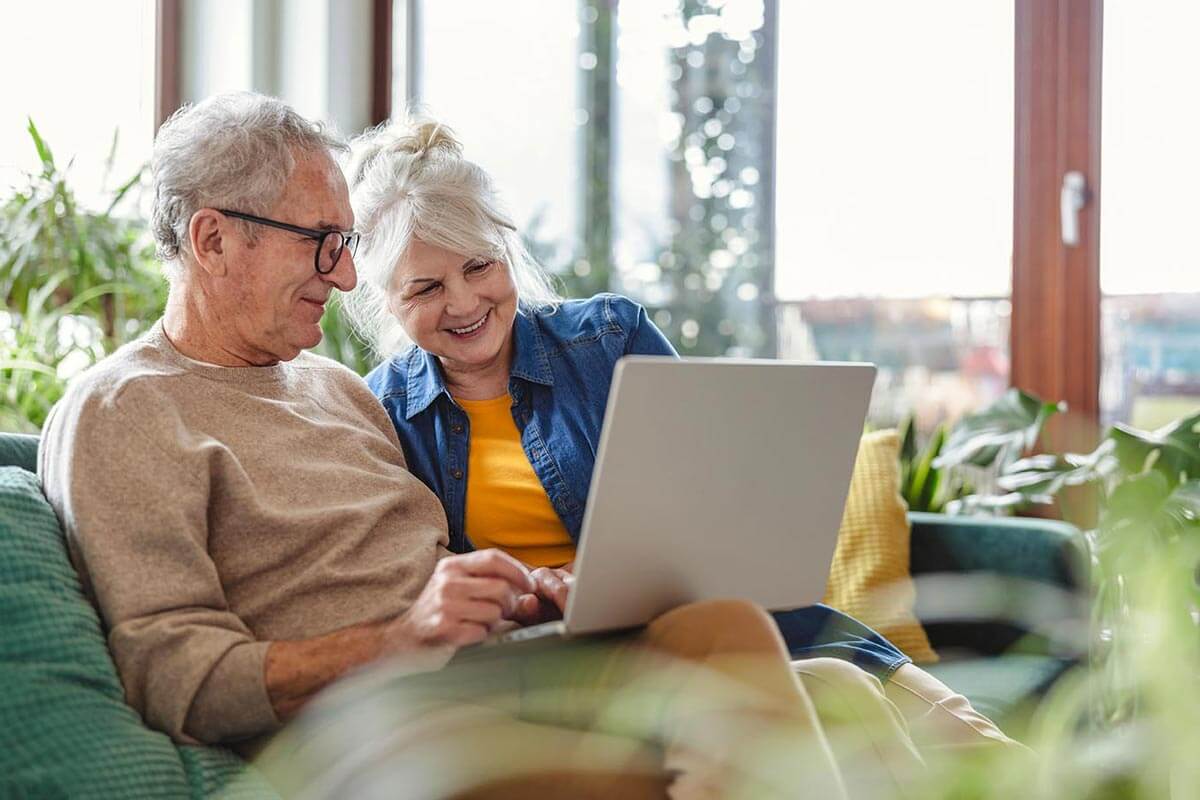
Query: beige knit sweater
[{"x": 211, "y": 510}]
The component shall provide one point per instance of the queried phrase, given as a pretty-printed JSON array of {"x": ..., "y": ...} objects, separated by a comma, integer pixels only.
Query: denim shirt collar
[{"x": 426, "y": 382}]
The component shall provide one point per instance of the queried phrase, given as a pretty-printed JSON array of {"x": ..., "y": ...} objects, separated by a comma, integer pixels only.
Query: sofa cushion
[
  {"x": 18, "y": 450},
  {"x": 65, "y": 729},
  {"x": 869, "y": 578},
  {"x": 64, "y": 724}
]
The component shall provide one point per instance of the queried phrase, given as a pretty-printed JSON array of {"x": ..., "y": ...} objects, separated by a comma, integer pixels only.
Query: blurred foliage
[
  {"x": 708, "y": 285},
  {"x": 78, "y": 283},
  {"x": 1149, "y": 480},
  {"x": 340, "y": 341},
  {"x": 712, "y": 296},
  {"x": 941, "y": 474}
]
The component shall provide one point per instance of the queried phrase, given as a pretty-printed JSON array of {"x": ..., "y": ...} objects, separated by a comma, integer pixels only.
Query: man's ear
[{"x": 206, "y": 236}]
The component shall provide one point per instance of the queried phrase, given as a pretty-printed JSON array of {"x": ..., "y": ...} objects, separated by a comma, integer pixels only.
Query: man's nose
[{"x": 343, "y": 276}]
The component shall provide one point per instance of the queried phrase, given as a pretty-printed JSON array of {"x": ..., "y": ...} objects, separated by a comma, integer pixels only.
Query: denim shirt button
[
  {"x": 456, "y": 428},
  {"x": 457, "y": 474}
]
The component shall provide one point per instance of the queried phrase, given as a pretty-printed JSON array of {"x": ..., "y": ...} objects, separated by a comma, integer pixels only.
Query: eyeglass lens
[{"x": 330, "y": 250}]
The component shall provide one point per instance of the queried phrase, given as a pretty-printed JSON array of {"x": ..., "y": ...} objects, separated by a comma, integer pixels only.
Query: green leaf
[
  {"x": 1136, "y": 499},
  {"x": 995, "y": 503},
  {"x": 18, "y": 365},
  {"x": 1173, "y": 450},
  {"x": 1000, "y": 433},
  {"x": 908, "y": 451},
  {"x": 43, "y": 149},
  {"x": 926, "y": 477},
  {"x": 1181, "y": 510},
  {"x": 1048, "y": 474}
]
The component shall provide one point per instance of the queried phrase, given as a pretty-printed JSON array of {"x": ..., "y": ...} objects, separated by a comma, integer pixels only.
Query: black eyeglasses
[{"x": 330, "y": 244}]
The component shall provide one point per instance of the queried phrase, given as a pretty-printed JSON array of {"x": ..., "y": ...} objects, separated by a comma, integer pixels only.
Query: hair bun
[
  {"x": 428, "y": 137},
  {"x": 419, "y": 139}
]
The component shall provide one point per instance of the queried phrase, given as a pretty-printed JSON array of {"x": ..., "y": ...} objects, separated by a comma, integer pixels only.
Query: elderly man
[{"x": 240, "y": 511}]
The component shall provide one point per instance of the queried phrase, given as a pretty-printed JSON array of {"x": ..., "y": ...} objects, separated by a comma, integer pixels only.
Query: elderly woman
[{"x": 497, "y": 389}]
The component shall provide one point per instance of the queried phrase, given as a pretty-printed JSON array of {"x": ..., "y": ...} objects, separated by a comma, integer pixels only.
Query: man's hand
[
  {"x": 549, "y": 600},
  {"x": 465, "y": 599}
]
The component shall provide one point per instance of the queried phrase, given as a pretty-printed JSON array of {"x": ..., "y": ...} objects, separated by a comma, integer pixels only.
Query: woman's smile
[{"x": 472, "y": 330}]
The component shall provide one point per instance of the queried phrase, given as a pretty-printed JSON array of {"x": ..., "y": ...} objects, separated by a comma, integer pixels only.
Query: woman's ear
[{"x": 206, "y": 236}]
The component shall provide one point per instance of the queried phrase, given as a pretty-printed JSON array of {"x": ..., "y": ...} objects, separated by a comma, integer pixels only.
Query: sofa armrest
[
  {"x": 1046, "y": 551},
  {"x": 990, "y": 585},
  {"x": 18, "y": 450}
]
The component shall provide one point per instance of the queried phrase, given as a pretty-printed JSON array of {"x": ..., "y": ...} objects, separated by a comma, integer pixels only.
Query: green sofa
[
  {"x": 65, "y": 730},
  {"x": 1005, "y": 602}
]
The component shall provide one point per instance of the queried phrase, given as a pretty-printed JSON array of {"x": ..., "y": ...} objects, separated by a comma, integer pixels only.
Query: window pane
[
  {"x": 80, "y": 83},
  {"x": 894, "y": 196},
  {"x": 1150, "y": 335},
  {"x": 693, "y": 144},
  {"x": 503, "y": 76}
]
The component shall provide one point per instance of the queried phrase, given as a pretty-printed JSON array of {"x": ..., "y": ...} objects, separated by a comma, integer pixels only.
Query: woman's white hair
[
  {"x": 233, "y": 151},
  {"x": 408, "y": 181}
]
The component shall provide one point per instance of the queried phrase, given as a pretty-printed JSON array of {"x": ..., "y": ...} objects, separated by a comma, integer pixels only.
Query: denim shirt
[{"x": 562, "y": 370}]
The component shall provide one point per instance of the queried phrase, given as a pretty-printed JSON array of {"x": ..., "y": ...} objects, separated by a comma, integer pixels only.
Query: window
[
  {"x": 694, "y": 140},
  {"x": 504, "y": 77},
  {"x": 1150, "y": 334},
  {"x": 98, "y": 83},
  {"x": 894, "y": 184}
]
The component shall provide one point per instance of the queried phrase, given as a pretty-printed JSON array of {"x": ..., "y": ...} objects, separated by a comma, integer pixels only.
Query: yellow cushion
[{"x": 869, "y": 579}]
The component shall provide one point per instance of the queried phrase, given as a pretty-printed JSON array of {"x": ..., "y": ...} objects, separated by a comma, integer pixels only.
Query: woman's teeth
[{"x": 471, "y": 328}]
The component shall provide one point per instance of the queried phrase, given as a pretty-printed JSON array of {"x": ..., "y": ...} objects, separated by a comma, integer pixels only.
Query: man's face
[{"x": 273, "y": 297}]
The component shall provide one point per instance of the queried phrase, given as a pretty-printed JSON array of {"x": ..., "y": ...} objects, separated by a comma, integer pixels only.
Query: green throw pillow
[{"x": 65, "y": 729}]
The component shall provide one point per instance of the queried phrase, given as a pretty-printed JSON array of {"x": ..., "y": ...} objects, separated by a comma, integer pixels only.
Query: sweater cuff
[{"x": 233, "y": 703}]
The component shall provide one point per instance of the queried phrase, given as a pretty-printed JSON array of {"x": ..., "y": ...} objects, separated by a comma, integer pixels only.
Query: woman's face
[{"x": 458, "y": 307}]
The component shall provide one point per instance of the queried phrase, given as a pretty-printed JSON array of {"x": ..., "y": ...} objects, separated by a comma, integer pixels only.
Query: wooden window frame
[
  {"x": 1055, "y": 327},
  {"x": 167, "y": 71}
]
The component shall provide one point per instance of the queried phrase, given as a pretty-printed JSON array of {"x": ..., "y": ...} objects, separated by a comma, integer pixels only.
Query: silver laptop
[{"x": 715, "y": 478}]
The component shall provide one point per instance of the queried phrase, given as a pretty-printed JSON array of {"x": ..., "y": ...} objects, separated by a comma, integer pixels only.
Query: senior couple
[{"x": 254, "y": 522}]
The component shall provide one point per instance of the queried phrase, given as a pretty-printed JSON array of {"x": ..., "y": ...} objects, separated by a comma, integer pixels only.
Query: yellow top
[{"x": 507, "y": 507}]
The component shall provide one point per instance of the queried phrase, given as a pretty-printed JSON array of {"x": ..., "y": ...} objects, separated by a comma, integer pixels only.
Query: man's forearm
[{"x": 297, "y": 670}]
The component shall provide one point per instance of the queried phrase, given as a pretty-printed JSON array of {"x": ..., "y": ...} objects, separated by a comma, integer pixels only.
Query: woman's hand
[
  {"x": 466, "y": 598},
  {"x": 549, "y": 600}
]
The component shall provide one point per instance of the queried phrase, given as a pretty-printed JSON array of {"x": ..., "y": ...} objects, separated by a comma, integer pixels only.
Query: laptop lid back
[{"x": 716, "y": 478}]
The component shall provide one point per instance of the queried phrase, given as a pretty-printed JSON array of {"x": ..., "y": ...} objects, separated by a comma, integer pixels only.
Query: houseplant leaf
[{"x": 998, "y": 434}]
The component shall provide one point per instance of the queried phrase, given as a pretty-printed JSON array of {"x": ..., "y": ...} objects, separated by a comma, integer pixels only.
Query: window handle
[{"x": 1071, "y": 201}]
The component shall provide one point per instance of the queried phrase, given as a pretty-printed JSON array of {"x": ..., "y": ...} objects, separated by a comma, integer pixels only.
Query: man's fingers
[
  {"x": 528, "y": 610},
  {"x": 553, "y": 585},
  {"x": 476, "y": 611},
  {"x": 493, "y": 563},
  {"x": 491, "y": 590}
]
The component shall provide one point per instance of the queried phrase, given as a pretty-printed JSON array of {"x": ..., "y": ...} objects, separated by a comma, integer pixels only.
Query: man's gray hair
[
  {"x": 234, "y": 151},
  {"x": 409, "y": 180}
]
